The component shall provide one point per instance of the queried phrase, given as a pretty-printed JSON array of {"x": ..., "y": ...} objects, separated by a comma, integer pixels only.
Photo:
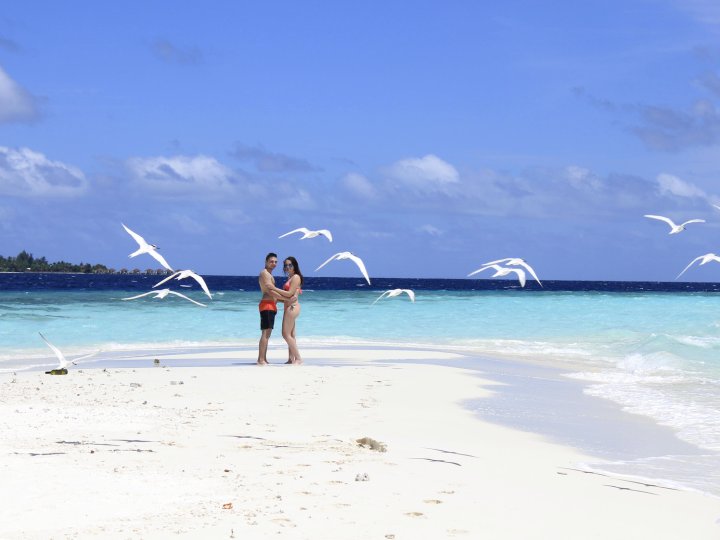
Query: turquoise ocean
[{"x": 652, "y": 349}]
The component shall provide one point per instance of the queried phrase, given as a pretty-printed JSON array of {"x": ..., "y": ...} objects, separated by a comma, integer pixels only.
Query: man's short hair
[{"x": 269, "y": 256}]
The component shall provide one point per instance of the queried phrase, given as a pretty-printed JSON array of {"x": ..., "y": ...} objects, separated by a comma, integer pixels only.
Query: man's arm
[
  {"x": 280, "y": 293},
  {"x": 268, "y": 287}
]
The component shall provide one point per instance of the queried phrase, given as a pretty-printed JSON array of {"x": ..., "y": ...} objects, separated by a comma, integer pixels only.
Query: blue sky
[{"x": 429, "y": 137}]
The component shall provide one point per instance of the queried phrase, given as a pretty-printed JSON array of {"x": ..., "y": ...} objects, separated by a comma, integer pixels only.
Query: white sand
[{"x": 157, "y": 452}]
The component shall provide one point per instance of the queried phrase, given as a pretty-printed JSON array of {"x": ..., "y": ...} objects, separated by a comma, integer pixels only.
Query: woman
[{"x": 292, "y": 307}]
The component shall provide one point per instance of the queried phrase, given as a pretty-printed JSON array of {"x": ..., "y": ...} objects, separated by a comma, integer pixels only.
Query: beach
[
  {"x": 476, "y": 240},
  {"x": 240, "y": 451}
]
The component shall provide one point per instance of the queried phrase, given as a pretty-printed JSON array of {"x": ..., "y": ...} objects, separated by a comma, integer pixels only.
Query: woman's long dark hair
[{"x": 296, "y": 267}]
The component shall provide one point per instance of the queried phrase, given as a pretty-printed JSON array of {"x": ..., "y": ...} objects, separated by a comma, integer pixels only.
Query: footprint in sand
[
  {"x": 414, "y": 514},
  {"x": 432, "y": 501},
  {"x": 284, "y": 522}
]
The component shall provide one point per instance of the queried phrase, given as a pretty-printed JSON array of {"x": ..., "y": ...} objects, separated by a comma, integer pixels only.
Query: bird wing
[
  {"x": 140, "y": 295},
  {"x": 529, "y": 269},
  {"x": 693, "y": 221},
  {"x": 301, "y": 229},
  {"x": 499, "y": 261},
  {"x": 661, "y": 218},
  {"x": 520, "y": 274},
  {"x": 202, "y": 283},
  {"x": 58, "y": 353},
  {"x": 330, "y": 259},
  {"x": 186, "y": 298},
  {"x": 166, "y": 279},
  {"x": 410, "y": 293},
  {"x": 76, "y": 360},
  {"x": 139, "y": 239},
  {"x": 493, "y": 266},
  {"x": 361, "y": 265},
  {"x": 383, "y": 295},
  {"x": 159, "y": 258},
  {"x": 689, "y": 265},
  {"x": 327, "y": 234}
]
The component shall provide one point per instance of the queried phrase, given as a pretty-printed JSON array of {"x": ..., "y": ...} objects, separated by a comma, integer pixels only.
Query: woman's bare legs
[
  {"x": 290, "y": 359},
  {"x": 288, "y": 332}
]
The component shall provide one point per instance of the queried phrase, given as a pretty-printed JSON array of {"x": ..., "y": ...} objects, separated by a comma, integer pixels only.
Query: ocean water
[{"x": 653, "y": 348}]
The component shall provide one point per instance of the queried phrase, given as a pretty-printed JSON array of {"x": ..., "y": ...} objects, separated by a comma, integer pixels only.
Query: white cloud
[
  {"x": 580, "y": 177},
  {"x": 672, "y": 185},
  {"x": 430, "y": 229},
  {"x": 359, "y": 185},
  {"x": 426, "y": 172},
  {"x": 231, "y": 216},
  {"x": 288, "y": 196},
  {"x": 16, "y": 103},
  {"x": 182, "y": 174},
  {"x": 24, "y": 172}
]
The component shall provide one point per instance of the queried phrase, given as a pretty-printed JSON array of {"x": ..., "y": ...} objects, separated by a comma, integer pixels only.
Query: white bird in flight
[
  {"x": 182, "y": 274},
  {"x": 348, "y": 255},
  {"x": 501, "y": 271},
  {"x": 162, "y": 293},
  {"x": 396, "y": 292},
  {"x": 704, "y": 259},
  {"x": 150, "y": 249},
  {"x": 511, "y": 261},
  {"x": 307, "y": 233},
  {"x": 674, "y": 228},
  {"x": 64, "y": 362}
]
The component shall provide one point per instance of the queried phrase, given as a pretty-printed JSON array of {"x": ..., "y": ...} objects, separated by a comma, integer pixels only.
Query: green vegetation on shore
[{"x": 25, "y": 262}]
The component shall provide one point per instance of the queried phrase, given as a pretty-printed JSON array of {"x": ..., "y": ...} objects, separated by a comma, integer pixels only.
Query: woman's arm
[
  {"x": 282, "y": 292},
  {"x": 290, "y": 296}
]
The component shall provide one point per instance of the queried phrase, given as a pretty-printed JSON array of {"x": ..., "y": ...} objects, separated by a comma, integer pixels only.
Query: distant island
[{"x": 25, "y": 262}]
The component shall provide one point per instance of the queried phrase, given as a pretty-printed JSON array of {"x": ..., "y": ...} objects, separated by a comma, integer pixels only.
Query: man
[{"x": 268, "y": 305}]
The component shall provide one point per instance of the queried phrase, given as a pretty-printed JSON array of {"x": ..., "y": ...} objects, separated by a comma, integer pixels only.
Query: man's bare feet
[
  {"x": 289, "y": 362},
  {"x": 262, "y": 362}
]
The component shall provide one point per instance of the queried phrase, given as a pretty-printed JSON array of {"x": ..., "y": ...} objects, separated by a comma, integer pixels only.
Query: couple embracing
[{"x": 288, "y": 295}]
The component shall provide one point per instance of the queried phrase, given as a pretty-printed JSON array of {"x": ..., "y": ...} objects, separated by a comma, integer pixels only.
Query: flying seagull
[
  {"x": 396, "y": 292},
  {"x": 501, "y": 271},
  {"x": 162, "y": 293},
  {"x": 348, "y": 255},
  {"x": 704, "y": 259},
  {"x": 150, "y": 249},
  {"x": 307, "y": 233},
  {"x": 674, "y": 229},
  {"x": 511, "y": 261},
  {"x": 182, "y": 274},
  {"x": 64, "y": 362}
]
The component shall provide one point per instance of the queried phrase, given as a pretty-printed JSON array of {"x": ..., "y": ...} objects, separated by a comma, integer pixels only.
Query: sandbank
[{"x": 240, "y": 451}]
